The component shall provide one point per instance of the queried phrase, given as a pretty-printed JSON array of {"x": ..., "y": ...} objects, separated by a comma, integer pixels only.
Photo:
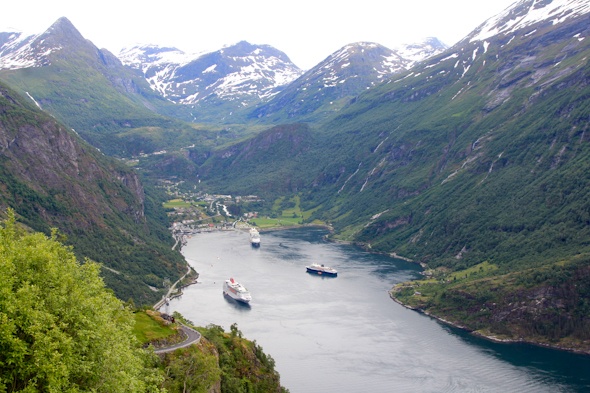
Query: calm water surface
[{"x": 345, "y": 334}]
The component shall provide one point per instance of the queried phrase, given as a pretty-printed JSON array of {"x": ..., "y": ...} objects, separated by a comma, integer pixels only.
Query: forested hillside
[
  {"x": 478, "y": 157},
  {"x": 63, "y": 330},
  {"x": 473, "y": 163},
  {"x": 53, "y": 179}
]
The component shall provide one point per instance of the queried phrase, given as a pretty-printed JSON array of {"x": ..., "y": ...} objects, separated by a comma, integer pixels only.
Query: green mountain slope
[
  {"x": 52, "y": 179},
  {"x": 474, "y": 163},
  {"x": 492, "y": 144},
  {"x": 110, "y": 106},
  {"x": 479, "y": 155},
  {"x": 267, "y": 162},
  {"x": 331, "y": 84}
]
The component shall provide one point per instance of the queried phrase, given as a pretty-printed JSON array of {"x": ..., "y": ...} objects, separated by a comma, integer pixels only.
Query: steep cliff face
[
  {"x": 53, "y": 162},
  {"x": 52, "y": 179}
]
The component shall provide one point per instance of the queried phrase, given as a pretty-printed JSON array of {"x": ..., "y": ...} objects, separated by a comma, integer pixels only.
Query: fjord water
[{"x": 345, "y": 334}]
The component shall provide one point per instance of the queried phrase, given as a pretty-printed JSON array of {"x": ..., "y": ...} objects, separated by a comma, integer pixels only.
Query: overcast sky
[{"x": 306, "y": 30}]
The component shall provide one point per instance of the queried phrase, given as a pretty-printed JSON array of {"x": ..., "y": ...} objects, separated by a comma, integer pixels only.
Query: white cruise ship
[
  {"x": 254, "y": 237},
  {"x": 236, "y": 291}
]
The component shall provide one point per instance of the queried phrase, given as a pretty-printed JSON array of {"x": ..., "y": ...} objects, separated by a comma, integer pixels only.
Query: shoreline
[
  {"x": 489, "y": 337},
  {"x": 422, "y": 311},
  {"x": 295, "y": 226}
]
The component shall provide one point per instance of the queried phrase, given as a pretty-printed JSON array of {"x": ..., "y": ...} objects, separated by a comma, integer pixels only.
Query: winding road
[
  {"x": 172, "y": 288},
  {"x": 193, "y": 337}
]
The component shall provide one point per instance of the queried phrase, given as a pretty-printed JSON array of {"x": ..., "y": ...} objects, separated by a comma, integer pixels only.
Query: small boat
[
  {"x": 316, "y": 268},
  {"x": 236, "y": 291},
  {"x": 254, "y": 237}
]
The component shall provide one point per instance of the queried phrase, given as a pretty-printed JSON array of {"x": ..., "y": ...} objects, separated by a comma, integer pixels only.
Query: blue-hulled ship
[{"x": 320, "y": 269}]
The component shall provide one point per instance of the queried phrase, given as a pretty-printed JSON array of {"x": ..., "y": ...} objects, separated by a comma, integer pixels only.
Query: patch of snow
[
  {"x": 25, "y": 52},
  {"x": 154, "y": 55},
  {"x": 210, "y": 69},
  {"x": 508, "y": 21},
  {"x": 465, "y": 69},
  {"x": 35, "y": 101}
]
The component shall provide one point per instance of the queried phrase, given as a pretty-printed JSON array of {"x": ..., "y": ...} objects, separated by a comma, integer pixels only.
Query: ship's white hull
[
  {"x": 254, "y": 238},
  {"x": 236, "y": 291}
]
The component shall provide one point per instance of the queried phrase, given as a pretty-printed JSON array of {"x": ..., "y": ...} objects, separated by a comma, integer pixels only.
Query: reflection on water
[
  {"x": 344, "y": 333},
  {"x": 240, "y": 306},
  {"x": 562, "y": 368},
  {"x": 322, "y": 276}
]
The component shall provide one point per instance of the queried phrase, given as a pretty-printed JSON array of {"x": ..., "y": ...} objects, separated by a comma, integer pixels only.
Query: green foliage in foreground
[
  {"x": 147, "y": 329},
  {"x": 221, "y": 362},
  {"x": 191, "y": 369},
  {"x": 60, "y": 328},
  {"x": 244, "y": 366}
]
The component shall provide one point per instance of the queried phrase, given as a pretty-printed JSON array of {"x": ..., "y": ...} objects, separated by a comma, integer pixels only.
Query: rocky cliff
[{"x": 52, "y": 179}]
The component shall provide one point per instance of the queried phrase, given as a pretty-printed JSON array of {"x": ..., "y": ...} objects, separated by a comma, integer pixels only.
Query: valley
[
  {"x": 348, "y": 327},
  {"x": 191, "y": 213},
  {"x": 471, "y": 161}
]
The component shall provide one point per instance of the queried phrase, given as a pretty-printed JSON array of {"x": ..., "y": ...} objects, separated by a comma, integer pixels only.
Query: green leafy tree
[
  {"x": 61, "y": 329},
  {"x": 190, "y": 370},
  {"x": 244, "y": 366}
]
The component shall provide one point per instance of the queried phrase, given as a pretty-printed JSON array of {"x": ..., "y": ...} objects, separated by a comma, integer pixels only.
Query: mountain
[
  {"x": 442, "y": 111},
  {"x": 53, "y": 179},
  {"x": 475, "y": 164},
  {"x": 152, "y": 99},
  {"x": 91, "y": 91},
  {"x": 527, "y": 17},
  {"x": 331, "y": 84},
  {"x": 231, "y": 167},
  {"x": 225, "y": 85},
  {"x": 421, "y": 50},
  {"x": 476, "y": 167},
  {"x": 231, "y": 78}
]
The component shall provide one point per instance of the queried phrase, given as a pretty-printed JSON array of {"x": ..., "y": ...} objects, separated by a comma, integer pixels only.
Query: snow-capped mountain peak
[
  {"x": 153, "y": 54},
  {"x": 346, "y": 73},
  {"x": 421, "y": 50},
  {"x": 358, "y": 60},
  {"x": 241, "y": 71},
  {"x": 16, "y": 52},
  {"x": 526, "y": 13},
  {"x": 20, "y": 50}
]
